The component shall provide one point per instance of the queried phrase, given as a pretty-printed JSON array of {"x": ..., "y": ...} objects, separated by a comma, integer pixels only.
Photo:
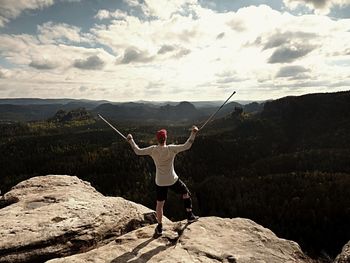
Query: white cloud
[
  {"x": 4, "y": 73},
  {"x": 132, "y": 3},
  {"x": 26, "y": 50},
  {"x": 40, "y": 63},
  {"x": 83, "y": 88},
  {"x": 90, "y": 63},
  {"x": 293, "y": 71},
  {"x": 132, "y": 55},
  {"x": 164, "y": 9},
  {"x": 50, "y": 32},
  {"x": 286, "y": 54},
  {"x": 161, "y": 9},
  {"x": 105, "y": 14},
  {"x": 10, "y": 9},
  {"x": 185, "y": 52},
  {"x": 319, "y": 6}
]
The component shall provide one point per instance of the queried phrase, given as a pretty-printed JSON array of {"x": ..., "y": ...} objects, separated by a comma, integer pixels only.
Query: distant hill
[
  {"x": 13, "y": 112},
  {"x": 42, "y": 109},
  {"x": 37, "y": 101},
  {"x": 291, "y": 124},
  {"x": 181, "y": 112},
  {"x": 80, "y": 114},
  {"x": 128, "y": 111},
  {"x": 140, "y": 111},
  {"x": 317, "y": 119}
]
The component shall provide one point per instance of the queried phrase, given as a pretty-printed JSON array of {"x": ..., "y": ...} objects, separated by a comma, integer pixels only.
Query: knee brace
[{"x": 188, "y": 203}]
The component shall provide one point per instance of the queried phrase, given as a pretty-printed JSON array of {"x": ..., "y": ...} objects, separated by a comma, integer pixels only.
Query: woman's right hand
[
  {"x": 129, "y": 137},
  {"x": 194, "y": 129}
]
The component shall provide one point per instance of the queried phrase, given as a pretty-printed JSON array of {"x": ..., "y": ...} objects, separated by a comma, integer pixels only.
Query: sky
[{"x": 160, "y": 50}]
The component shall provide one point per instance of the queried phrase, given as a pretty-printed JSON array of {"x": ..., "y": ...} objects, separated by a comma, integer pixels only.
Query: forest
[{"x": 287, "y": 168}]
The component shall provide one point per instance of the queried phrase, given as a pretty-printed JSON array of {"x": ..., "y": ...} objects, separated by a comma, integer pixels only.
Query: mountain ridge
[{"x": 22, "y": 110}]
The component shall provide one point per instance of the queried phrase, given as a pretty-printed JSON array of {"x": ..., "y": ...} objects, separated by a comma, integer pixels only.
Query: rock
[
  {"x": 344, "y": 256},
  {"x": 59, "y": 218},
  {"x": 211, "y": 239},
  {"x": 57, "y": 215}
]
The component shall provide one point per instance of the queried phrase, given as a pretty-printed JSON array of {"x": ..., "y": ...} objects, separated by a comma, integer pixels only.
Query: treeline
[
  {"x": 249, "y": 167},
  {"x": 311, "y": 208}
]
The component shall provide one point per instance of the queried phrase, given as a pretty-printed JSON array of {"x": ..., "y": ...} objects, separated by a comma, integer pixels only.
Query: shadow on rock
[{"x": 134, "y": 256}]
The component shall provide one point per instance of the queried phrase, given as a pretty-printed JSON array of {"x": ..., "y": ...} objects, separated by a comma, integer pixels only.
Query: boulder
[
  {"x": 344, "y": 256},
  {"x": 210, "y": 239},
  {"x": 58, "y": 215}
]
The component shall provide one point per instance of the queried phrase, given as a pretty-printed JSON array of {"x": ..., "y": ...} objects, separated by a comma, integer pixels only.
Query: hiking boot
[
  {"x": 159, "y": 229},
  {"x": 191, "y": 217}
]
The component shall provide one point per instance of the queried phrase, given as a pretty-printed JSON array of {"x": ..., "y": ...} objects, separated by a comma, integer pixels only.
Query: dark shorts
[{"x": 178, "y": 187}]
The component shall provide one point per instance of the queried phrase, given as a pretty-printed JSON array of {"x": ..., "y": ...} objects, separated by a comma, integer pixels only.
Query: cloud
[
  {"x": 2, "y": 74},
  {"x": 319, "y": 6},
  {"x": 132, "y": 3},
  {"x": 308, "y": 84},
  {"x": 149, "y": 36},
  {"x": 83, "y": 88},
  {"x": 91, "y": 63},
  {"x": 162, "y": 9},
  {"x": 220, "y": 36},
  {"x": 105, "y": 14},
  {"x": 228, "y": 76},
  {"x": 188, "y": 34},
  {"x": 342, "y": 52},
  {"x": 10, "y": 9},
  {"x": 153, "y": 88},
  {"x": 229, "y": 80},
  {"x": 297, "y": 72},
  {"x": 237, "y": 24},
  {"x": 175, "y": 51},
  {"x": 20, "y": 50},
  {"x": 287, "y": 54},
  {"x": 345, "y": 83},
  {"x": 182, "y": 52},
  {"x": 132, "y": 55},
  {"x": 189, "y": 44},
  {"x": 166, "y": 48},
  {"x": 61, "y": 33},
  {"x": 280, "y": 38},
  {"x": 43, "y": 64}
]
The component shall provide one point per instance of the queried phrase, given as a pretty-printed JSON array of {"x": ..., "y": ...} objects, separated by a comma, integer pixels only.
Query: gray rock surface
[
  {"x": 57, "y": 215},
  {"x": 344, "y": 256},
  {"x": 59, "y": 218},
  {"x": 211, "y": 239}
]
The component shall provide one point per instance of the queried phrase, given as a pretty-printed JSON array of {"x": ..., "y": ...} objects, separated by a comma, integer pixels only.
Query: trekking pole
[
  {"x": 212, "y": 116},
  {"x": 112, "y": 126}
]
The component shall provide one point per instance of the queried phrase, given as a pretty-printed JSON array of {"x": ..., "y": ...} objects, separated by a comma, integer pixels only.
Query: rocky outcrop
[
  {"x": 210, "y": 239},
  {"x": 344, "y": 256},
  {"x": 63, "y": 219},
  {"x": 54, "y": 216}
]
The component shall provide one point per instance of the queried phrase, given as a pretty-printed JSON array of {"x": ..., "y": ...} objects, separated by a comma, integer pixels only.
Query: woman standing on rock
[{"x": 163, "y": 156}]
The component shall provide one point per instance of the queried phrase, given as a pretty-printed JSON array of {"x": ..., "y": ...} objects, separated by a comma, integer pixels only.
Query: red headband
[{"x": 161, "y": 135}]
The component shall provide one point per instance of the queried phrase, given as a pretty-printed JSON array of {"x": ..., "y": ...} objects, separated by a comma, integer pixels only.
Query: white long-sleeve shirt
[{"x": 163, "y": 157}]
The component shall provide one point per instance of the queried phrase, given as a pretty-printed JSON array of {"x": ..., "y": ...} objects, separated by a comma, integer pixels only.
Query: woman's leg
[
  {"x": 181, "y": 188},
  {"x": 161, "y": 197},
  {"x": 187, "y": 202},
  {"x": 159, "y": 211}
]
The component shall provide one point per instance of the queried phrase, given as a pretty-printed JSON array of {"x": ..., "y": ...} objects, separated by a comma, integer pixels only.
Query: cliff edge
[{"x": 60, "y": 218}]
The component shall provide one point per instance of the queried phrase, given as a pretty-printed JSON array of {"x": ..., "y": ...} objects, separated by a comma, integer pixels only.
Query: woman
[{"x": 163, "y": 156}]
